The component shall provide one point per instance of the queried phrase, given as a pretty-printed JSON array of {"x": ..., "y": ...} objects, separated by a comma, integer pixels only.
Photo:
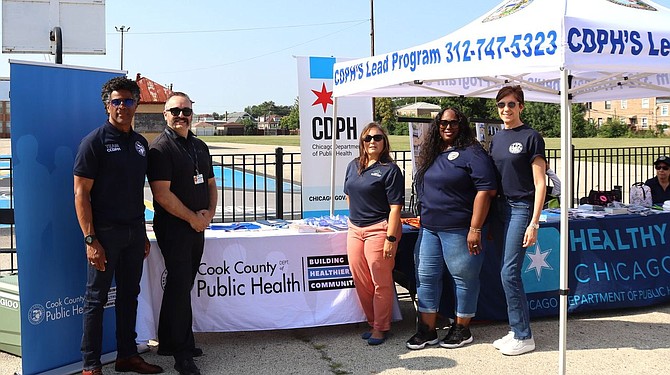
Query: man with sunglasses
[
  {"x": 660, "y": 192},
  {"x": 184, "y": 190},
  {"x": 109, "y": 175}
]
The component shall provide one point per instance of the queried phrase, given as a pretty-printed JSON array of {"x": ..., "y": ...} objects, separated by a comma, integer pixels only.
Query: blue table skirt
[{"x": 614, "y": 262}]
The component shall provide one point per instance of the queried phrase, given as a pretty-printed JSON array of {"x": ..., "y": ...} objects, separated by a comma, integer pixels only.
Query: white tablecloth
[{"x": 260, "y": 280}]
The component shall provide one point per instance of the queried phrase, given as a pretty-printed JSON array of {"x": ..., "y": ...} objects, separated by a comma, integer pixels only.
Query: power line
[{"x": 248, "y": 28}]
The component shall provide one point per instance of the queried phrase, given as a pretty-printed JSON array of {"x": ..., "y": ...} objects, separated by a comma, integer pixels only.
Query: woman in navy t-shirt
[
  {"x": 375, "y": 189},
  {"x": 455, "y": 184},
  {"x": 518, "y": 153}
]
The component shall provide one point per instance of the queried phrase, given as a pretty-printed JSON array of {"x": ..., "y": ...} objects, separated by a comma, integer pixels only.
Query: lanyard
[{"x": 194, "y": 157}]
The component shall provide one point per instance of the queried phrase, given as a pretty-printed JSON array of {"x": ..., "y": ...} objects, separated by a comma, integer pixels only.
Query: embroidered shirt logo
[
  {"x": 139, "y": 147},
  {"x": 453, "y": 155},
  {"x": 113, "y": 147},
  {"x": 376, "y": 173},
  {"x": 515, "y": 148}
]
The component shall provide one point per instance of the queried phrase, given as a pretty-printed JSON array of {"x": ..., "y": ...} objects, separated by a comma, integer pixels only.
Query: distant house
[
  {"x": 418, "y": 109},
  {"x": 231, "y": 124},
  {"x": 203, "y": 128},
  {"x": 149, "y": 120}
]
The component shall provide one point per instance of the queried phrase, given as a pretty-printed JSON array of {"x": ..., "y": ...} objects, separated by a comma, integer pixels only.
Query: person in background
[
  {"x": 556, "y": 182},
  {"x": 185, "y": 194},
  {"x": 518, "y": 154},
  {"x": 455, "y": 182},
  {"x": 109, "y": 175},
  {"x": 375, "y": 190},
  {"x": 659, "y": 184}
]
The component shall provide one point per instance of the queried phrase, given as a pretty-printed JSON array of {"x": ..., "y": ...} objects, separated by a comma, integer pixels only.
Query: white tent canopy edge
[{"x": 558, "y": 51}]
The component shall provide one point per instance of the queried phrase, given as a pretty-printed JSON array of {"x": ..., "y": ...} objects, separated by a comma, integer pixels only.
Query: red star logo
[{"x": 323, "y": 97}]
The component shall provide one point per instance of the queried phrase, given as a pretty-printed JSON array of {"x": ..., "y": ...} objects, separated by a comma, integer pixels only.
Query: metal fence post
[{"x": 279, "y": 185}]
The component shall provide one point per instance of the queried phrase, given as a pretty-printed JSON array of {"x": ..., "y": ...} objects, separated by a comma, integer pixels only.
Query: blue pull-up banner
[{"x": 53, "y": 107}]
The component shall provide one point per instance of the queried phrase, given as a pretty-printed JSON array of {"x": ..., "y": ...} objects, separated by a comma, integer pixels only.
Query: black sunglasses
[
  {"x": 509, "y": 105},
  {"x": 129, "y": 102},
  {"x": 449, "y": 123},
  {"x": 176, "y": 110},
  {"x": 376, "y": 137},
  {"x": 659, "y": 167}
]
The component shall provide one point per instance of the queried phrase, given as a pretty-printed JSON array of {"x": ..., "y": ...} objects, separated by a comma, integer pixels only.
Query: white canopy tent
[{"x": 559, "y": 51}]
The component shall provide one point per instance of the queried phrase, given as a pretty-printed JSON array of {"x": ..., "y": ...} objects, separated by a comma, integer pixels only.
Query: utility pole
[
  {"x": 122, "y": 30},
  {"x": 372, "y": 43}
]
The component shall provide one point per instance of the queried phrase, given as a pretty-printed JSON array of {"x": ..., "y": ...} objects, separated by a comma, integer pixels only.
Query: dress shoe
[
  {"x": 186, "y": 367},
  {"x": 95, "y": 371},
  {"x": 136, "y": 364},
  {"x": 196, "y": 352}
]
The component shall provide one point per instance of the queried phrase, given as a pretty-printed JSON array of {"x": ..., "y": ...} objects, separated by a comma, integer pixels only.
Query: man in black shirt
[
  {"x": 184, "y": 189},
  {"x": 109, "y": 199}
]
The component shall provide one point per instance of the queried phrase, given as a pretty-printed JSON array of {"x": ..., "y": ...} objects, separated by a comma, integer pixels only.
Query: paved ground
[{"x": 614, "y": 342}]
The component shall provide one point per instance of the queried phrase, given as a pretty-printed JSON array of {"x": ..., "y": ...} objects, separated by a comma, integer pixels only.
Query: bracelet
[
  {"x": 534, "y": 225},
  {"x": 476, "y": 230}
]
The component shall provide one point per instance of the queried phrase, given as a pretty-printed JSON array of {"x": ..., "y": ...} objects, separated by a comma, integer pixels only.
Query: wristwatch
[
  {"x": 89, "y": 239},
  {"x": 391, "y": 238}
]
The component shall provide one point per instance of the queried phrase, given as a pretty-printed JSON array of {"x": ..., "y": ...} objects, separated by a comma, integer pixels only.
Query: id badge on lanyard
[{"x": 198, "y": 179}]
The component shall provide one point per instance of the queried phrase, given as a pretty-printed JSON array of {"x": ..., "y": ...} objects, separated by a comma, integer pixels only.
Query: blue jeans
[
  {"x": 433, "y": 249},
  {"x": 124, "y": 250},
  {"x": 515, "y": 217}
]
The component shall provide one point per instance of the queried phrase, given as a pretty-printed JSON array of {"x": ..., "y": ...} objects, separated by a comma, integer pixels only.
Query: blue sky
[{"x": 231, "y": 54}]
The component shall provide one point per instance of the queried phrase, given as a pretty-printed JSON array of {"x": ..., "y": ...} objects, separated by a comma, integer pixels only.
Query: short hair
[
  {"x": 119, "y": 83},
  {"x": 179, "y": 93},
  {"x": 516, "y": 90}
]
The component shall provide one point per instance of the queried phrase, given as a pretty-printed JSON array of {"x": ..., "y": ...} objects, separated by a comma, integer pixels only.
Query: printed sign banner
[
  {"x": 315, "y": 81},
  {"x": 53, "y": 107}
]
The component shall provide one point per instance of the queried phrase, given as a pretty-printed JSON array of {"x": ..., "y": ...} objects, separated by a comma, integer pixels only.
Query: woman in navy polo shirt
[
  {"x": 375, "y": 189},
  {"x": 518, "y": 153},
  {"x": 455, "y": 185}
]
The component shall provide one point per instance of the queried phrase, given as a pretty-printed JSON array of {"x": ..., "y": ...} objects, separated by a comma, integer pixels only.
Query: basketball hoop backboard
[{"x": 28, "y": 24}]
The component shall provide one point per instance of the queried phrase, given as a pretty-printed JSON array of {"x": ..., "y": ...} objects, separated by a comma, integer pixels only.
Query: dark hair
[
  {"x": 119, "y": 83},
  {"x": 384, "y": 156},
  {"x": 433, "y": 144},
  {"x": 517, "y": 91}
]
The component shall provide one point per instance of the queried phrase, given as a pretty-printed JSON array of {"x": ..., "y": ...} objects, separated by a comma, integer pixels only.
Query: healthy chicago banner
[
  {"x": 53, "y": 107},
  {"x": 315, "y": 81}
]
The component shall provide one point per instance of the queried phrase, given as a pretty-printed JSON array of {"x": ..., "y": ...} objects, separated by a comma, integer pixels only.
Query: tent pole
[
  {"x": 333, "y": 158},
  {"x": 566, "y": 197}
]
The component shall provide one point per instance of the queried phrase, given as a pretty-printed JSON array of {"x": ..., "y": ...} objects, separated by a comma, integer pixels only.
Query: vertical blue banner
[{"x": 53, "y": 107}]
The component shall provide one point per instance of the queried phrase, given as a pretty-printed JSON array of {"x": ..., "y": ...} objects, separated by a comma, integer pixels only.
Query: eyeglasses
[
  {"x": 129, "y": 102},
  {"x": 376, "y": 137},
  {"x": 449, "y": 123},
  {"x": 659, "y": 167},
  {"x": 509, "y": 105},
  {"x": 175, "y": 111}
]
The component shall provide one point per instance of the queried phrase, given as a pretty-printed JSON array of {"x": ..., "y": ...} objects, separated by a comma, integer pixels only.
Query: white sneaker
[
  {"x": 516, "y": 346},
  {"x": 499, "y": 343}
]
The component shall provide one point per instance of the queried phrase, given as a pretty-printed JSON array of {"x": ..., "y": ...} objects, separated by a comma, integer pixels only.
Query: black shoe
[
  {"x": 422, "y": 337},
  {"x": 186, "y": 367},
  {"x": 196, "y": 352},
  {"x": 457, "y": 336}
]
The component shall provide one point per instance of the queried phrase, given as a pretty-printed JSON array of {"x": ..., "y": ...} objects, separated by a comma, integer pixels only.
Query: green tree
[
  {"x": 613, "y": 128},
  {"x": 216, "y": 116},
  {"x": 385, "y": 114},
  {"x": 250, "y": 127},
  {"x": 292, "y": 120},
  {"x": 268, "y": 108}
]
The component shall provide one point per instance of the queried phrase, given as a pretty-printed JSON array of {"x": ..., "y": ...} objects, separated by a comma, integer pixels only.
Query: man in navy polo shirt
[{"x": 109, "y": 199}]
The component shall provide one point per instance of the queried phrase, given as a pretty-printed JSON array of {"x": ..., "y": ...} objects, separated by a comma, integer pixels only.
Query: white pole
[
  {"x": 566, "y": 203},
  {"x": 333, "y": 159}
]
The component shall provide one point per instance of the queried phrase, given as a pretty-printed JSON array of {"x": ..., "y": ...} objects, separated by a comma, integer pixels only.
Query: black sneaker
[
  {"x": 186, "y": 367},
  {"x": 457, "y": 336},
  {"x": 422, "y": 337}
]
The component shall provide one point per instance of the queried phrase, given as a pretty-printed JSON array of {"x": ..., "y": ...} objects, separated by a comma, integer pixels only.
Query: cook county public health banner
[
  {"x": 614, "y": 262},
  {"x": 261, "y": 281},
  {"x": 315, "y": 81},
  {"x": 53, "y": 107}
]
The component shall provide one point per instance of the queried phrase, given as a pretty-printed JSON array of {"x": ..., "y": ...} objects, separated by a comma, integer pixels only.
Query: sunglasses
[
  {"x": 175, "y": 111},
  {"x": 659, "y": 167},
  {"x": 376, "y": 137},
  {"x": 448, "y": 123},
  {"x": 126, "y": 102},
  {"x": 509, "y": 105}
]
